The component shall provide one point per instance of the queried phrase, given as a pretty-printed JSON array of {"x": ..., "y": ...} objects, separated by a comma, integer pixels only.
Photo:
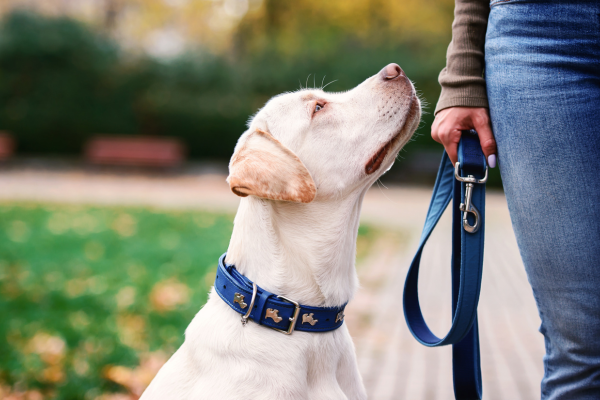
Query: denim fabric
[{"x": 542, "y": 69}]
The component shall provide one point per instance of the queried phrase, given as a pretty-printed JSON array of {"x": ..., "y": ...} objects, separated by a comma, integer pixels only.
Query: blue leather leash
[
  {"x": 465, "y": 181},
  {"x": 265, "y": 308}
]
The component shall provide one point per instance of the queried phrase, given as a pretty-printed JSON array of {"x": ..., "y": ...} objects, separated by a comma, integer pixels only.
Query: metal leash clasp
[{"x": 467, "y": 206}]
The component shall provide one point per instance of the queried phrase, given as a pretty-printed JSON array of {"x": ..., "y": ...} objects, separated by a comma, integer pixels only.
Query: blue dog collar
[{"x": 265, "y": 308}]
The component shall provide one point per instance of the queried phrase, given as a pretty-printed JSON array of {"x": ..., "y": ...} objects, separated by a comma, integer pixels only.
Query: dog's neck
[{"x": 305, "y": 252}]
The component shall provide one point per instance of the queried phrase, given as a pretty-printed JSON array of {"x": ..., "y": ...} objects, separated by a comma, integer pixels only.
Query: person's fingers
[
  {"x": 450, "y": 138},
  {"x": 449, "y": 124},
  {"x": 452, "y": 150},
  {"x": 486, "y": 138},
  {"x": 434, "y": 129}
]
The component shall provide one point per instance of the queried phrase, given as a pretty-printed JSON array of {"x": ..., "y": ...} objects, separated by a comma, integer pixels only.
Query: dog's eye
[{"x": 318, "y": 107}]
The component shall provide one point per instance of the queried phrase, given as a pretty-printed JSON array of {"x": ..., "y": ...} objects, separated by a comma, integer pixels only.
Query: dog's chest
[{"x": 303, "y": 359}]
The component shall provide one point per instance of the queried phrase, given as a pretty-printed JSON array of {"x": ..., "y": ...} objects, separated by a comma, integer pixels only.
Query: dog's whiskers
[
  {"x": 386, "y": 196},
  {"x": 328, "y": 84},
  {"x": 398, "y": 156},
  {"x": 380, "y": 182}
]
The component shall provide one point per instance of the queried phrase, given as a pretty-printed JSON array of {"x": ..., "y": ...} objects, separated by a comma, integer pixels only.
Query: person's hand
[{"x": 449, "y": 123}]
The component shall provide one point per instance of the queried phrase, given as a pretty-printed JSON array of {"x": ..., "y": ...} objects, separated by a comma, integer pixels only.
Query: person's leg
[{"x": 543, "y": 82}]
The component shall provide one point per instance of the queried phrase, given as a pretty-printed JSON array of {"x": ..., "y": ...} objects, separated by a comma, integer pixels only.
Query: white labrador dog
[{"x": 302, "y": 168}]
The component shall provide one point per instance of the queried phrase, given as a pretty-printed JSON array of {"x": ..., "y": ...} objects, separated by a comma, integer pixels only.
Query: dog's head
[{"x": 312, "y": 144}]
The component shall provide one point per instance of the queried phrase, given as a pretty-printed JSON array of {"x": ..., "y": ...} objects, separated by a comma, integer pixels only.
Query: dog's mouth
[{"x": 375, "y": 162}]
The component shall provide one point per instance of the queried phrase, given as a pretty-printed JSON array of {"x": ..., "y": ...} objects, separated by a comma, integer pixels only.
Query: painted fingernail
[{"x": 492, "y": 161}]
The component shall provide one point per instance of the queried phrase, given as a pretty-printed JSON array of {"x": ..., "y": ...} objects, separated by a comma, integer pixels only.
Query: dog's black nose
[{"x": 391, "y": 71}]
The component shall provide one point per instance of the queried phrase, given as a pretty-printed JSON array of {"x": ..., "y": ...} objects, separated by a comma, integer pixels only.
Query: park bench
[
  {"x": 144, "y": 151},
  {"x": 7, "y": 145}
]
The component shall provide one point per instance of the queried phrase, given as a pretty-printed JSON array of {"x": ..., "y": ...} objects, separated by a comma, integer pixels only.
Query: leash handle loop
[{"x": 467, "y": 263}]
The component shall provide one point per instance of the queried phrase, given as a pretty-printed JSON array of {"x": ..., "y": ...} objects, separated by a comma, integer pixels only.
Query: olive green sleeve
[{"x": 462, "y": 80}]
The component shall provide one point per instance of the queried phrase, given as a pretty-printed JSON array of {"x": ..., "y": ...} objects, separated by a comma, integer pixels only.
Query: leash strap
[
  {"x": 467, "y": 263},
  {"x": 268, "y": 309}
]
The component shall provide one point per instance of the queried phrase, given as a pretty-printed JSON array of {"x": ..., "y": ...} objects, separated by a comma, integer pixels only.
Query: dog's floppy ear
[{"x": 263, "y": 167}]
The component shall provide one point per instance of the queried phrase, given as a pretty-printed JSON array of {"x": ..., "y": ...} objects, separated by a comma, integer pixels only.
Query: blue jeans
[{"x": 542, "y": 70}]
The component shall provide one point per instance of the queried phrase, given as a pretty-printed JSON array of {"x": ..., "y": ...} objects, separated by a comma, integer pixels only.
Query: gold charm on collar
[
  {"x": 309, "y": 318},
  {"x": 340, "y": 316},
  {"x": 239, "y": 298},
  {"x": 273, "y": 314}
]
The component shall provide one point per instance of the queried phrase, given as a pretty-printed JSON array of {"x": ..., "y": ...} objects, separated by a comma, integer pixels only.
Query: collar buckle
[
  {"x": 247, "y": 315},
  {"x": 293, "y": 319}
]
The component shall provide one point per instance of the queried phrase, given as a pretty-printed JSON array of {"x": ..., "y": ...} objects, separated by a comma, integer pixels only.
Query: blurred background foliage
[{"x": 197, "y": 70}]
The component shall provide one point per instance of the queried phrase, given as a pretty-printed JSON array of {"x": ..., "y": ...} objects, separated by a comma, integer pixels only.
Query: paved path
[{"x": 393, "y": 364}]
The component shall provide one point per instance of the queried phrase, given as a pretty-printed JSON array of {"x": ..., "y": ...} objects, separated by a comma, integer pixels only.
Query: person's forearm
[{"x": 462, "y": 80}]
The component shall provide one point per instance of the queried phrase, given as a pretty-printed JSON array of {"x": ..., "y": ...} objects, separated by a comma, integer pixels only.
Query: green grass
[
  {"x": 82, "y": 288},
  {"x": 94, "y": 299}
]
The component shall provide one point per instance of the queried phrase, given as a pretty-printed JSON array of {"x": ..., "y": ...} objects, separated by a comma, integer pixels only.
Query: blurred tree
[
  {"x": 294, "y": 26},
  {"x": 61, "y": 81},
  {"x": 200, "y": 98},
  {"x": 58, "y": 82},
  {"x": 283, "y": 42}
]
